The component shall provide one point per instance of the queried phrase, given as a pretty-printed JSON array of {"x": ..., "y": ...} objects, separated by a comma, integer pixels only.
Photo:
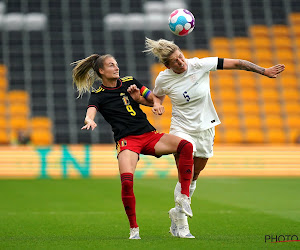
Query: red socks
[
  {"x": 185, "y": 152},
  {"x": 128, "y": 198}
]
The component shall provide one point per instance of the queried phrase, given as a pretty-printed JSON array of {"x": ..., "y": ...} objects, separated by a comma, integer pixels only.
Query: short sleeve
[
  {"x": 207, "y": 63},
  {"x": 93, "y": 101},
  {"x": 158, "y": 90}
]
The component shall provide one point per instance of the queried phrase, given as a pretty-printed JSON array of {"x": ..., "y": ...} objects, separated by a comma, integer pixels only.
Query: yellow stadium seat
[
  {"x": 252, "y": 121},
  {"x": 229, "y": 108},
  {"x": 41, "y": 137},
  {"x": 227, "y": 95},
  {"x": 245, "y": 54},
  {"x": 18, "y": 109},
  {"x": 41, "y": 122},
  {"x": 272, "y": 108},
  {"x": 3, "y": 83},
  {"x": 292, "y": 108},
  {"x": 293, "y": 121},
  {"x": 3, "y": 97},
  {"x": 222, "y": 53},
  {"x": 226, "y": 82},
  {"x": 231, "y": 121},
  {"x": 296, "y": 30},
  {"x": 262, "y": 43},
  {"x": 18, "y": 123},
  {"x": 263, "y": 56},
  {"x": 270, "y": 94},
  {"x": 268, "y": 83},
  {"x": 294, "y": 135},
  {"x": 254, "y": 135},
  {"x": 18, "y": 96},
  {"x": 249, "y": 94},
  {"x": 250, "y": 108},
  {"x": 220, "y": 42},
  {"x": 280, "y": 30},
  {"x": 4, "y": 137},
  {"x": 290, "y": 94},
  {"x": 282, "y": 42},
  {"x": 295, "y": 18},
  {"x": 201, "y": 53},
  {"x": 274, "y": 121},
  {"x": 289, "y": 81},
  {"x": 3, "y": 71},
  {"x": 276, "y": 136},
  {"x": 285, "y": 55},
  {"x": 233, "y": 135},
  {"x": 3, "y": 110},
  {"x": 246, "y": 81},
  {"x": 4, "y": 124},
  {"x": 241, "y": 43},
  {"x": 259, "y": 31}
]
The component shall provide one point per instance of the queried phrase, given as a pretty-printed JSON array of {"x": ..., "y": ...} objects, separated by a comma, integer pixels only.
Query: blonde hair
[
  {"x": 162, "y": 49},
  {"x": 86, "y": 72}
]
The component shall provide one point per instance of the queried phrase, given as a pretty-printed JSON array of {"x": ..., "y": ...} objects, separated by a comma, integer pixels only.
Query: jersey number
[
  {"x": 186, "y": 96},
  {"x": 130, "y": 110}
]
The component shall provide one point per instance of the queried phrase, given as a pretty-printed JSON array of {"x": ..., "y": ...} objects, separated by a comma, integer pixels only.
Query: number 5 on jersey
[{"x": 186, "y": 96}]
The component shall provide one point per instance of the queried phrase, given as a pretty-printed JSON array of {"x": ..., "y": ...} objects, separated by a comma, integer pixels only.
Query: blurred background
[{"x": 40, "y": 117}]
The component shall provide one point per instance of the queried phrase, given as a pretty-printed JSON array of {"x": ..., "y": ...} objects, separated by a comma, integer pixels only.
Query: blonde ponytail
[
  {"x": 162, "y": 49},
  {"x": 86, "y": 72}
]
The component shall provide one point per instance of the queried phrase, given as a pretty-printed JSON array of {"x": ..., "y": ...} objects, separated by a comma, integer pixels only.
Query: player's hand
[
  {"x": 89, "y": 123},
  {"x": 158, "y": 109},
  {"x": 134, "y": 92},
  {"x": 274, "y": 71}
]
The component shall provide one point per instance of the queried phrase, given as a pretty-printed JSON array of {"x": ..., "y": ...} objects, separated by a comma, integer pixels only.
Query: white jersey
[{"x": 192, "y": 106}]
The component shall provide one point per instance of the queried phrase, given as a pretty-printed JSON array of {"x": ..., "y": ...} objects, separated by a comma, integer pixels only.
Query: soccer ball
[{"x": 181, "y": 22}]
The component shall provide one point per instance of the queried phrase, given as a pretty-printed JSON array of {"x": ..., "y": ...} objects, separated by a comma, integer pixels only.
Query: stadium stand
[{"x": 265, "y": 32}]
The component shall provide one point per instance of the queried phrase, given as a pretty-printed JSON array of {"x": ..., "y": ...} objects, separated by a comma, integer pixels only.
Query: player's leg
[
  {"x": 184, "y": 149},
  {"x": 127, "y": 160}
]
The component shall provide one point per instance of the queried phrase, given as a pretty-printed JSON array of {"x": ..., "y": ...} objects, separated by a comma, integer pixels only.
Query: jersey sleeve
[
  {"x": 145, "y": 92},
  {"x": 93, "y": 101},
  {"x": 158, "y": 90},
  {"x": 207, "y": 63}
]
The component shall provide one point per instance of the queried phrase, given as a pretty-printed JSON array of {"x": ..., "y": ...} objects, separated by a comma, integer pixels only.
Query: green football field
[{"x": 229, "y": 213}]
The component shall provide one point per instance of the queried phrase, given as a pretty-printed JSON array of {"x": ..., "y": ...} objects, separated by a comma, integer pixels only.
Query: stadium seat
[
  {"x": 4, "y": 137},
  {"x": 18, "y": 110},
  {"x": 284, "y": 55},
  {"x": 246, "y": 81},
  {"x": 242, "y": 53},
  {"x": 252, "y": 121},
  {"x": 41, "y": 137},
  {"x": 41, "y": 123},
  {"x": 3, "y": 84},
  {"x": 227, "y": 82},
  {"x": 276, "y": 136},
  {"x": 3, "y": 110},
  {"x": 229, "y": 108},
  {"x": 200, "y": 53},
  {"x": 220, "y": 42},
  {"x": 270, "y": 94},
  {"x": 250, "y": 108},
  {"x": 289, "y": 81},
  {"x": 17, "y": 123},
  {"x": 282, "y": 42},
  {"x": 259, "y": 31},
  {"x": 222, "y": 53},
  {"x": 254, "y": 135},
  {"x": 241, "y": 43},
  {"x": 294, "y": 18},
  {"x": 262, "y": 43},
  {"x": 233, "y": 135},
  {"x": 271, "y": 108},
  {"x": 293, "y": 121},
  {"x": 274, "y": 121},
  {"x": 231, "y": 121},
  {"x": 268, "y": 83},
  {"x": 249, "y": 94},
  {"x": 227, "y": 95},
  {"x": 280, "y": 30},
  {"x": 290, "y": 94},
  {"x": 18, "y": 96},
  {"x": 292, "y": 108}
]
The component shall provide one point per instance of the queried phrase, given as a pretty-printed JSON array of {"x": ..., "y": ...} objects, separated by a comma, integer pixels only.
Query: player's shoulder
[
  {"x": 97, "y": 91},
  {"x": 127, "y": 79}
]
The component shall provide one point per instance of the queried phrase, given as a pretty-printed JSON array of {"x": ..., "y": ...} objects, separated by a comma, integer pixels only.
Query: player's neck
[{"x": 111, "y": 83}]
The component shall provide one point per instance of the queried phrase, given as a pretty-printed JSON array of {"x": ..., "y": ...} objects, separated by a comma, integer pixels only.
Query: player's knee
[{"x": 185, "y": 147}]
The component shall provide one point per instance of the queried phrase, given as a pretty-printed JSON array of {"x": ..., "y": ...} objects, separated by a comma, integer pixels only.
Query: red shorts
[{"x": 141, "y": 144}]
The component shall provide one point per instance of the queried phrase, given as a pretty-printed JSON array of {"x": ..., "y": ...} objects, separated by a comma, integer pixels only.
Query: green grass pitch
[{"x": 229, "y": 213}]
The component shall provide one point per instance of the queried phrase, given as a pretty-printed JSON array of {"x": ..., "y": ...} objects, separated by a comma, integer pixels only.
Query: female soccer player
[
  {"x": 186, "y": 82},
  {"x": 133, "y": 133}
]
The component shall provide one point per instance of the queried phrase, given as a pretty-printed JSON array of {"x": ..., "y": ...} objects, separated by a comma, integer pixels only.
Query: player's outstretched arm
[
  {"x": 89, "y": 119},
  {"x": 271, "y": 72}
]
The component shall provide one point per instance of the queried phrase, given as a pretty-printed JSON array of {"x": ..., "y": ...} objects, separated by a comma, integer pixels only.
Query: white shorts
[{"x": 203, "y": 142}]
